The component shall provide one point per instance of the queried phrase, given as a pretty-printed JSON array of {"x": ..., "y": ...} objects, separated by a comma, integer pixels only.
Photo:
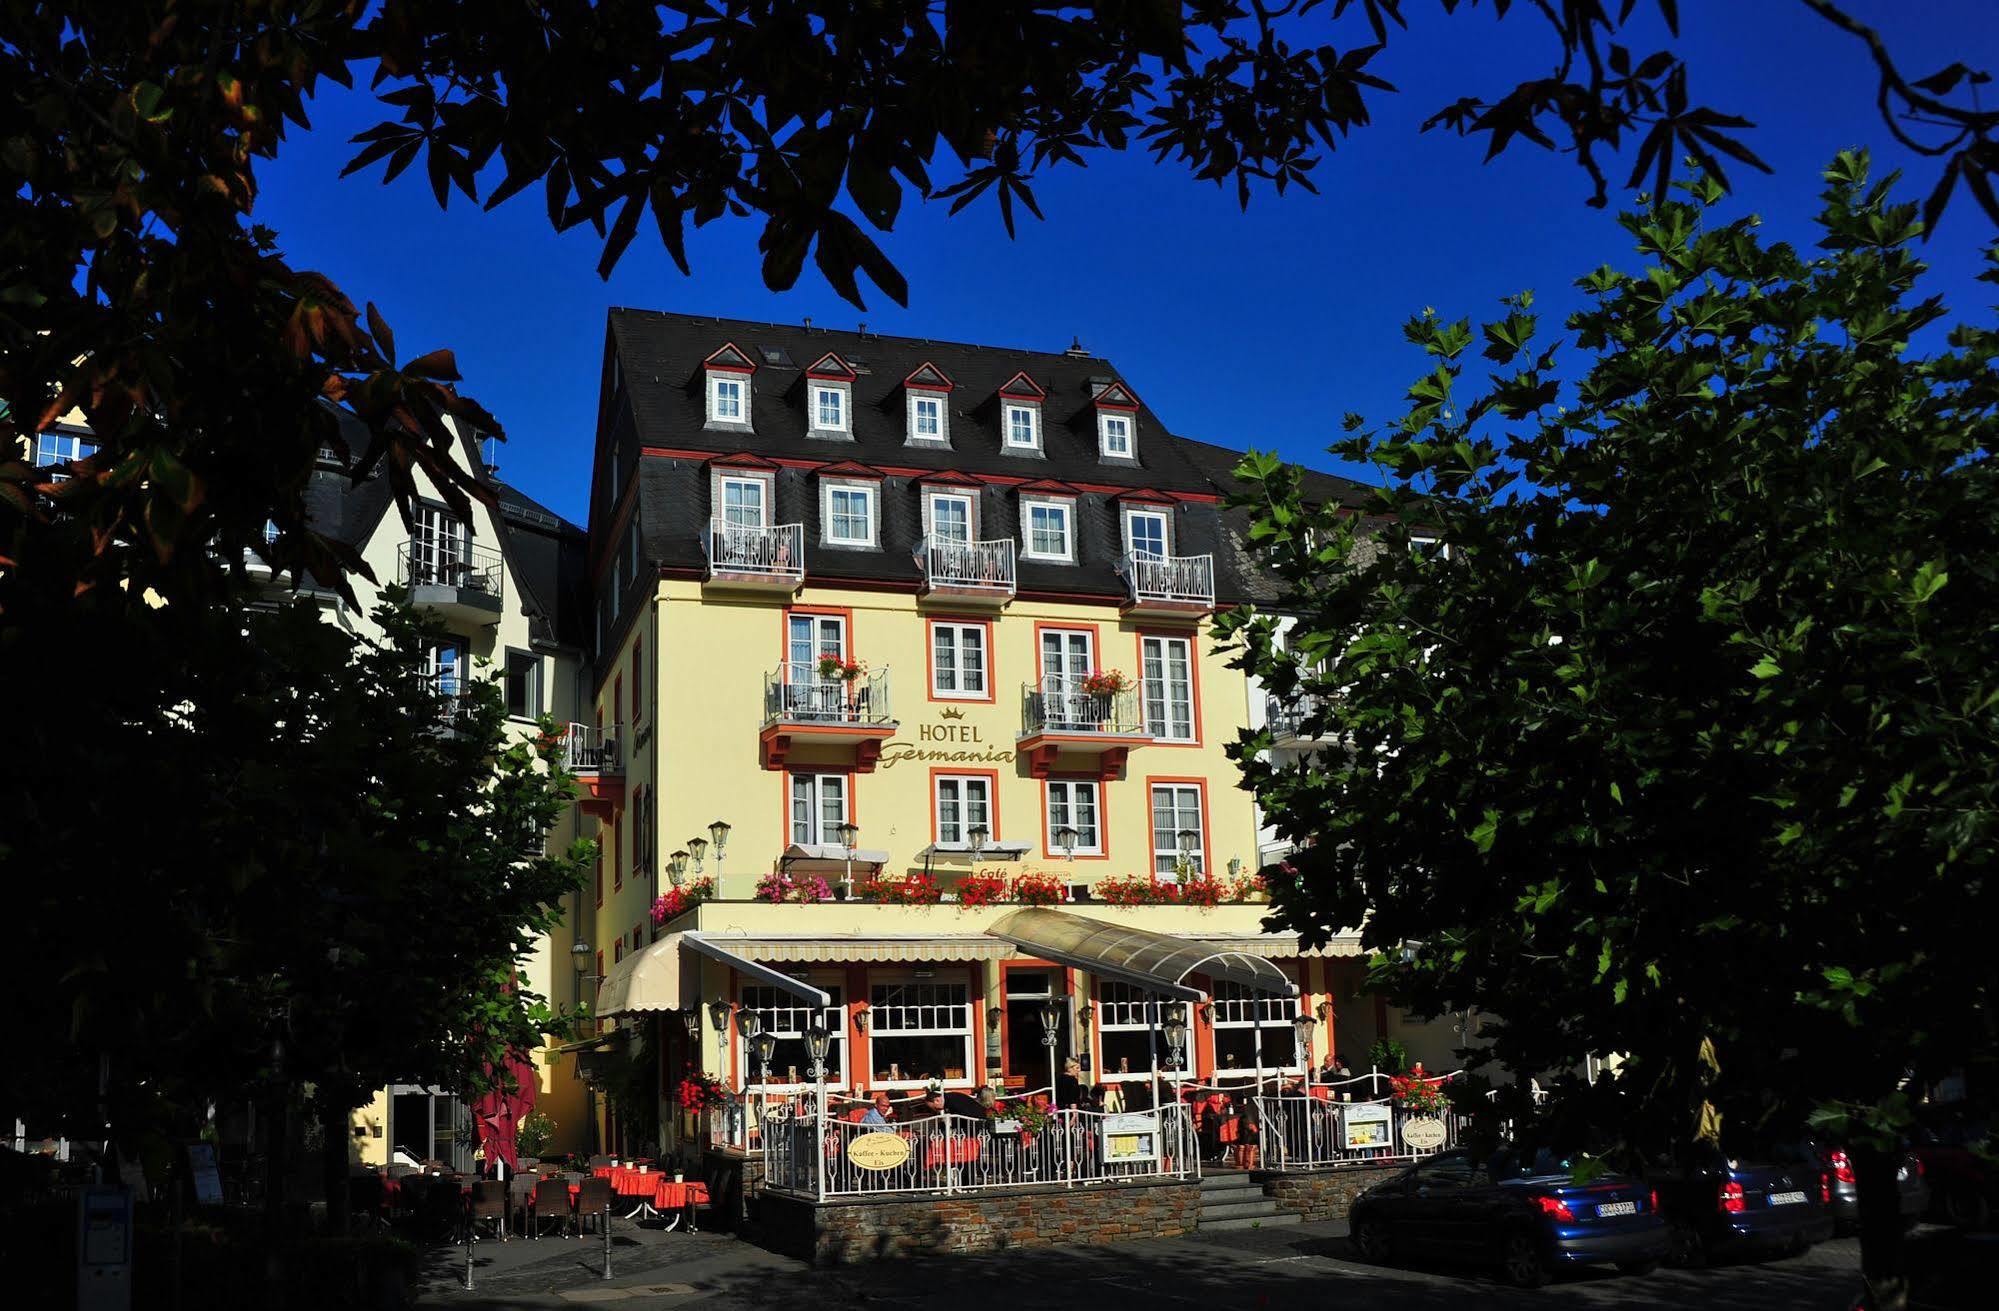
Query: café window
[
  {"x": 788, "y": 1019},
  {"x": 1126, "y": 1018},
  {"x": 919, "y": 1031},
  {"x": 1238, "y": 1011}
]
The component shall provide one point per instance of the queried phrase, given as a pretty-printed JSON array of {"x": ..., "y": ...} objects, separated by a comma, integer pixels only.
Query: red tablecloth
[
  {"x": 671, "y": 1196},
  {"x": 956, "y": 1151},
  {"x": 627, "y": 1182}
]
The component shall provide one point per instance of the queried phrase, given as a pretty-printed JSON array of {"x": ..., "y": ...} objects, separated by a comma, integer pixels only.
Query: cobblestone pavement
[{"x": 1303, "y": 1266}]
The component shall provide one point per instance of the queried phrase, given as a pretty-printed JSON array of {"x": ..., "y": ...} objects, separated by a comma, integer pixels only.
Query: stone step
[
  {"x": 1254, "y": 1222},
  {"x": 1226, "y": 1179},
  {"x": 1238, "y": 1210},
  {"x": 1227, "y": 1196}
]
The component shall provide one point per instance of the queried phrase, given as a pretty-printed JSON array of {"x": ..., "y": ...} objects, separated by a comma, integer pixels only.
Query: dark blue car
[
  {"x": 1525, "y": 1215},
  {"x": 1715, "y": 1205}
]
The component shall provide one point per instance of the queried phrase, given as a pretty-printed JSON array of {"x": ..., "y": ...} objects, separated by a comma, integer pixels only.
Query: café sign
[{"x": 878, "y": 1151}]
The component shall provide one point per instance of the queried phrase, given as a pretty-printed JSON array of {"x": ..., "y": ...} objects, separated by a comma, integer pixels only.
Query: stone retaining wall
[
  {"x": 856, "y": 1230},
  {"x": 1321, "y": 1194}
]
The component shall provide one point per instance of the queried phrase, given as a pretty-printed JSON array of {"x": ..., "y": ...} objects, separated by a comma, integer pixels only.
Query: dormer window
[
  {"x": 829, "y": 407},
  {"x": 1117, "y": 420},
  {"x": 728, "y": 374},
  {"x": 1114, "y": 436},
  {"x": 1147, "y": 533},
  {"x": 1020, "y": 400},
  {"x": 1023, "y": 427},
  {"x": 928, "y": 389}
]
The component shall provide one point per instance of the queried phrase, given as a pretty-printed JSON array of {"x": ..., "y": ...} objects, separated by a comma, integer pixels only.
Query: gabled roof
[
  {"x": 830, "y": 368},
  {"x": 1117, "y": 396},
  {"x": 848, "y": 469},
  {"x": 1050, "y": 486},
  {"x": 744, "y": 460},
  {"x": 1023, "y": 388},
  {"x": 1144, "y": 496},
  {"x": 950, "y": 476},
  {"x": 728, "y": 356},
  {"x": 928, "y": 377}
]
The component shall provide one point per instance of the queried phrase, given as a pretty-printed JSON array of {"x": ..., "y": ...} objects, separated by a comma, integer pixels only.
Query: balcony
[
  {"x": 967, "y": 573},
  {"x": 1168, "y": 586},
  {"x": 596, "y": 757},
  {"x": 1061, "y": 716},
  {"x": 454, "y": 578},
  {"x": 755, "y": 557},
  {"x": 849, "y": 720},
  {"x": 1287, "y": 721}
]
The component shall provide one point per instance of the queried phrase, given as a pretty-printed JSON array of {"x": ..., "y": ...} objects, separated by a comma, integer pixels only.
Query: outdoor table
[
  {"x": 640, "y": 1184},
  {"x": 678, "y": 1199}
]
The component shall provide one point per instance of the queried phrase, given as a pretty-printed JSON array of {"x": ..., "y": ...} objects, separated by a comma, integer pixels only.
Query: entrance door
[
  {"x": 1067, "y": 658},
  {"x": 1027, "y": 992}
]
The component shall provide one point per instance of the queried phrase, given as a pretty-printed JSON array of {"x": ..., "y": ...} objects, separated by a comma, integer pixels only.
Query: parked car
[
  {"x": 1714, "y": 1205},
  {"x": 1844, "y": 1198},
  {"x": 1964, "y": 1185},
  {"x": 1525, "y": 1215}
]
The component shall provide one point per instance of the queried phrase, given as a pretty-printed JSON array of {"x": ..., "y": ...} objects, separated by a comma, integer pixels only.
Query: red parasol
[{"x": 498, "y": 1111}]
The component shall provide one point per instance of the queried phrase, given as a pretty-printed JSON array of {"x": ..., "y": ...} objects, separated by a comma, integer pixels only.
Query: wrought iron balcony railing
[
  {"x": 775, "y": 551},
  {"x": 1170, "y": 579},
  {"x": 981, "y": 566},
  {"x": 587, "y": 749},
  {"x": 796, "y": 693},
  {"x": 451, "y": 562},
  {"x": 1066, "y": 705},
  {"x": 1286, "y": 719}
]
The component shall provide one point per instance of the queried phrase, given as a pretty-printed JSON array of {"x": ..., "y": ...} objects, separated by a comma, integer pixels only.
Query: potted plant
[
  {"x": 1200, "y": 891},
  {"x": 1106, "y": 682},
  {"x": 835, "y": 668},
  {"x": 1418, "y": 1095},
  {"x": 675, "y": 902},
  {"x": 773, "y": 888},
  {"x": 1036, "y": 888},
  {"x": 536, "y": 1132},
  {"x": 981, "y": 889},
  {"x": 916, "y": 890},
  {"x": 1126, "y": 890}
]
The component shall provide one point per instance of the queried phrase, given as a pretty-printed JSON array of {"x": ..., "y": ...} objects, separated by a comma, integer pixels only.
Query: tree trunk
[
  {"x": 333, "y": 1164},
  {"x": 1881, "y": 1243}
]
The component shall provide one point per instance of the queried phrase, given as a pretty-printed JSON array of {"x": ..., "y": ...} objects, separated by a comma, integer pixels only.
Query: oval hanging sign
[
  {"x": 878, "y": 1151},
  {"x": 1423, "y": 1134}
]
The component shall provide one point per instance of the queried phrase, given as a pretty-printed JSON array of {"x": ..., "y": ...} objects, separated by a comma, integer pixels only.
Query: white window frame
[
  {"x": 1007, "y": 412},
  {"x": 534, "y": 689},
  {"x": 1235, "y": 1007},
  {"x": 842, "y": 400},
  {"x": 1165, "y": 858},
  {"x": 816, "y": 782},
  {"x": 1123, "y": 1008},
  {"x": 942, "y": 401},
  {"x": 59, "y": 447},
  {"x": 1028, "y": 504},
  {"x": 959, "y": 631},
  {"x": 921, "y": 1001},
  {"x": 786, "y": 1017},
  {"x": 1133, "y": 515},
  {"x": 871, "y": 495},
  {"x": 1070, "y": 788},
  {"x": 1106, "y": 421},
  {"x": 969, "y": 501},
  {"x": 1160, "y": 689},
  {"x": 717, "y": 378},
  {"x": 764, "y": 485},
  {"x": 970, "y": 812}
]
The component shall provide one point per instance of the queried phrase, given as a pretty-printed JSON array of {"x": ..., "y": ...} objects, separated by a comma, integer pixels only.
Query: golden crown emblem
[{"x": 948, "y": 713}]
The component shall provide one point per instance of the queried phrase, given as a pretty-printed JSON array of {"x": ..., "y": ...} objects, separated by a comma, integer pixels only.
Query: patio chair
[
  {"x": 520, "y": 1196},
  {"x": 593, "y": 1202},
  {"x": 596, "y": 1161},
  {"x": 488, "y": 1205},
  {"x": 550, "y": 1202}
]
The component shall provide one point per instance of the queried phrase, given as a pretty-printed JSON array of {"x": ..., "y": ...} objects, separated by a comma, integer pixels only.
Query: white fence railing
[
  {"x": 984, "y": 566},
  {"x": 798, "y": 692},
  {"x": 948, "y": 1154},
  {"x": 587, "y": 749},
  {"x": 1188, "y": 578},
  {"x": 777, "y": 550},
  {"x": 1065, "y": 705},
  {"x": 1313, "y": 1133}
]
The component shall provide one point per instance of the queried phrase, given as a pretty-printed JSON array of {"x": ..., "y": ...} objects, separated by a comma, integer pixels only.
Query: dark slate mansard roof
[{"x": 661, "y": 402}]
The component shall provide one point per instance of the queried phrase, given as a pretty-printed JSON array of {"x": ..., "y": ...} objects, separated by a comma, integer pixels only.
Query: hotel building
[{"x": 887, "y": 628}]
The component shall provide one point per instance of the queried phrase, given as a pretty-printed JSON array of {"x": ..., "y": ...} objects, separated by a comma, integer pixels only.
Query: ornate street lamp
[
  {"x": 1176, "y": 1043},
  {"x": 676, "y": 867},
  {"x": 1187, "y": 839},
  {"x": 848, "y": 833},
  {"x": 1083, "y": 1024},
  {"x": 1303, "y": 1026},
  {"x": 817, "y": 1041},
  {"x": 978, "y": 833},
  {"x": 718, "y": 1014},
  {"x": 697, "y": 848},
  {"x": 690, "y": 1016},
  {"x": 1065, "y": 838},
  {"x": 718, "y": 833},
  {"x": 1051, "y": 1030},
  {"x": 762, "y": 1047}
]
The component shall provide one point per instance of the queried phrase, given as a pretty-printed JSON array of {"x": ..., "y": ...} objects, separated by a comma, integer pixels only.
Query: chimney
[
  {"x": 1076, "y": 351},
  {"x": 808, "y": 323}
]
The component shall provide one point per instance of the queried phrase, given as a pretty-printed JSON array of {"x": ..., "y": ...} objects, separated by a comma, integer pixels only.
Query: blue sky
[{"x": 1250, "y": 329}]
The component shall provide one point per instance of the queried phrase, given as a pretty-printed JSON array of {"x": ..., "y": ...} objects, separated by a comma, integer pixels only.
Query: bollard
[
  {"x": 471, "y": 1238},
  {"x": 607, "y": 1240}
]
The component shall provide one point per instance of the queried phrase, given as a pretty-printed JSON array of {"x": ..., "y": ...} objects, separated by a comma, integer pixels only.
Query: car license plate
[
  {"x": 1618, "y": 1208},
  {"x": 1786, "y": 1199}
]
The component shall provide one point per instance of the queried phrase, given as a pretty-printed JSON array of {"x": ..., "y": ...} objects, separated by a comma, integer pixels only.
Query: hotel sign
[
  {"x": 878, "y": 1151},
  {"x": 944, "y": 744}
]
